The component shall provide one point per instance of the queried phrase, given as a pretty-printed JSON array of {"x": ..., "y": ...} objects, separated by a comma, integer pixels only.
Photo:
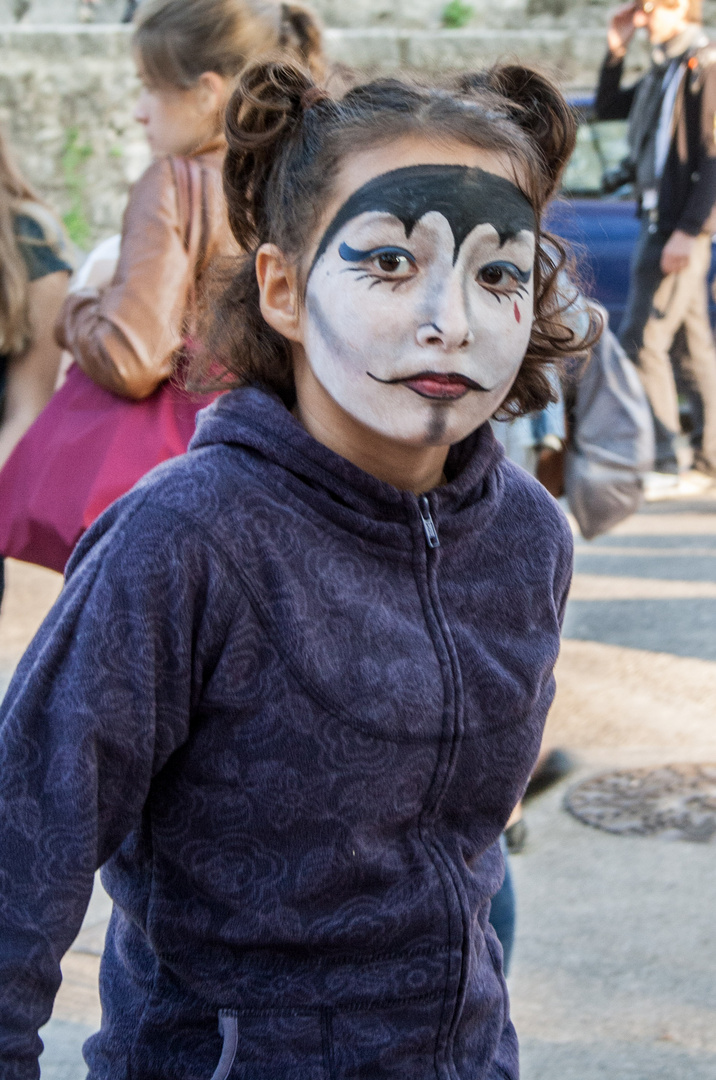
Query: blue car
[{"x": 602, "y": 228}]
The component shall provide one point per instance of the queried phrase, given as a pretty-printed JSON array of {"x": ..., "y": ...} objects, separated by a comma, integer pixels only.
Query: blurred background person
[
  {"x": 130, "y": 328},
  {"x": 672, "y": 159},
  {"x": 34, "y": 273},
  {"x": 128, "y": 335}
]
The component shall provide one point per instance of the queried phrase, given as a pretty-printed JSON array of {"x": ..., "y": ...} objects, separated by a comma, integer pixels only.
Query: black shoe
[
  {"x": 516, "y": 836},
  {"x": 554, "y": 768}
]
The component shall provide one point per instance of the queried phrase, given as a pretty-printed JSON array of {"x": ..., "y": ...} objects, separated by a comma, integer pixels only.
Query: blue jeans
[{"x": 502, "y": 912}]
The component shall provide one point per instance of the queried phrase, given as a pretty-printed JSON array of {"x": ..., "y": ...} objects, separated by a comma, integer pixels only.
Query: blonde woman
[{"x": 34, "y": 272}]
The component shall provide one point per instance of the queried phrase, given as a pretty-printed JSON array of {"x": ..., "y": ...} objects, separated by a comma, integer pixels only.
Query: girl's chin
[{"x": 437, "y": 429}]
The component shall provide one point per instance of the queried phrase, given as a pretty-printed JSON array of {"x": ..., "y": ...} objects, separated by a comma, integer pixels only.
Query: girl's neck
[
  {"x": 212, "y": 143},
  {"x": 409, "y": 468}
]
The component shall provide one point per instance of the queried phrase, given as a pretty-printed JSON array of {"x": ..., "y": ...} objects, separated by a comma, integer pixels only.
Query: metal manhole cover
[{"x": 678, "y": 801}]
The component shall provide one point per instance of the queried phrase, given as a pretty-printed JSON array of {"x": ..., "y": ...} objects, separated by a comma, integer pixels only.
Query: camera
[{"x": 618, "y": 176}]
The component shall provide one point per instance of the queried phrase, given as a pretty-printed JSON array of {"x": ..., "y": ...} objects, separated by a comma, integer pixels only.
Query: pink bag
[
  {"x": 85, "y": 449},
  {"x": 90, "y": 446}
]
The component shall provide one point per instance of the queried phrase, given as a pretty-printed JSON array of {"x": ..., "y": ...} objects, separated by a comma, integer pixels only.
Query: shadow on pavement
[{"x": 665, "y": 626}]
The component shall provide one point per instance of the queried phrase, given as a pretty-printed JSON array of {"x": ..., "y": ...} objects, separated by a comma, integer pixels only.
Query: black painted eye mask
[{"x": 466, "y": 197}]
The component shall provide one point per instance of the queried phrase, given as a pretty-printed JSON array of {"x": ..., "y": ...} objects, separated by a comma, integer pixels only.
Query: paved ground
[{"x": 616, "y": 951}]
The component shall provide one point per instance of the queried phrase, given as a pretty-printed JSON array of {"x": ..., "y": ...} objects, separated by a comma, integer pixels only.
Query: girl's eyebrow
[{"x": 349, "y": 254}]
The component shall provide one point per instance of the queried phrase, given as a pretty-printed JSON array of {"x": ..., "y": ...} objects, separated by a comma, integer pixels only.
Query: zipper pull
[{"x": 431, "y": 533}]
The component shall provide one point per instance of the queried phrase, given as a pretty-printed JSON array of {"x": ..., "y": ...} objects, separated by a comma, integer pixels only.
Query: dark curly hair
[{"x": 287, "y": 139}]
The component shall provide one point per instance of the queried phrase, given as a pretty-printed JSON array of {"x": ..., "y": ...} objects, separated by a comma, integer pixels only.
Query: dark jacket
[
  {"x": 687, "y": 192},
  {"x": 292, "y": 732}
]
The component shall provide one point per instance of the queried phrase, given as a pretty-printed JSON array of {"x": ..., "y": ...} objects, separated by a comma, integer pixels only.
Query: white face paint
[{"x": 414, "y": 339}]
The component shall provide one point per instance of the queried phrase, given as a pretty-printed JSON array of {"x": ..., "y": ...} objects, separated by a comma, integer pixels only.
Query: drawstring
[{"x": 229, "y": 1031}]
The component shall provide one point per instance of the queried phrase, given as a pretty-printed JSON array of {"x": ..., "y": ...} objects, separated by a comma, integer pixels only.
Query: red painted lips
[
  {"x": 432, "y": 384},
  {"x": 435, "y": 384}
]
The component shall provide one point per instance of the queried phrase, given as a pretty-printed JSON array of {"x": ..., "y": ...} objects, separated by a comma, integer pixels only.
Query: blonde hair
[
  {"x": 15, "y": 196},
  {"x": 178, "y": 40}
]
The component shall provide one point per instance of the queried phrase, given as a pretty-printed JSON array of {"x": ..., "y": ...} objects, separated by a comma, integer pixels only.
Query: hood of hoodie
[{"x": 257, "y": 421}]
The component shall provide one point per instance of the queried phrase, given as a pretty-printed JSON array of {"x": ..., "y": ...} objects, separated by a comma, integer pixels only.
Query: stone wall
[
  {"x": 360, "y": 14},
  {"x": 66, "y": 104},
  {"x": 67, "y": 90},
  {"x": 345, "y": 14}
]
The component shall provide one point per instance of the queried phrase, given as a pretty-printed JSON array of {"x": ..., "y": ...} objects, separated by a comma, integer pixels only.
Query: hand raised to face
[{"x": 419, "y": 300}]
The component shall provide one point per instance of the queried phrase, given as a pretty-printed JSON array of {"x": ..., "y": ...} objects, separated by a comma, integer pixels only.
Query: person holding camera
[{"x": 672, "y": 163}]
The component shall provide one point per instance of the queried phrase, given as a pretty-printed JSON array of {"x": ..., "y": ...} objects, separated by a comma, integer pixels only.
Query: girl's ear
[
  {"x": 213, "y": 92},
  {"x": 278, "y": 289}
]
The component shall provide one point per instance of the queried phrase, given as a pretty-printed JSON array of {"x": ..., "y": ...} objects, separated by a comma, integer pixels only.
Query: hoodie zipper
[
  {"x": 440, "y": 858},
  {"x": 431, "y": 533}
]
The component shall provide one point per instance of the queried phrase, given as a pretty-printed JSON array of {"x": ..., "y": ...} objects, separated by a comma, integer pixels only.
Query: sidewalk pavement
[{"x": 613, "y": 972}]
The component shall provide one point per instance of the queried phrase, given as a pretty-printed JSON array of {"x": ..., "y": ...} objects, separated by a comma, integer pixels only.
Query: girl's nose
[
  {"x": 449, "y": 329},
  {"x": 140, "y": 113},
  {"x": 433, "y": 334}
]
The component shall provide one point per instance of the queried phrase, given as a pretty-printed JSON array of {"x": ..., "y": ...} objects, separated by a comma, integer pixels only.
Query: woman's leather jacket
[{"x": 126, "y": 336}]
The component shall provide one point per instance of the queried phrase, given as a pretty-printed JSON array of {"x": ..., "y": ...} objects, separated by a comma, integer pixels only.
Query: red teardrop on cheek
[{"x": 517, "y": 313}]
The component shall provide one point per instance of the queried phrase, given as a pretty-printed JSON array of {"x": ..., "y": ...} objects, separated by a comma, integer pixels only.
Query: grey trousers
[{"x": 657, "y": 306}]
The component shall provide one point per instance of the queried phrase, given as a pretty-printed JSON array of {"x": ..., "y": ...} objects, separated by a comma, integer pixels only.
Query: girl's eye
[
  {"x": 394, "y": 263},
  {"x": 504, "y": 277}
]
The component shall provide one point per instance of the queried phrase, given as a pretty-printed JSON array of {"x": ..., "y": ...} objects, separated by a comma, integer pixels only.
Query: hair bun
[
  {"x": 267, "y": 100},
  {"x": 541, "y": 110},
  {"x": 266, "y": 108}
]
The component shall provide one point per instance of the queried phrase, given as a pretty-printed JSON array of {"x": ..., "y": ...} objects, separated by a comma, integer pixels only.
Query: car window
[{"x": 601, "y": 145}]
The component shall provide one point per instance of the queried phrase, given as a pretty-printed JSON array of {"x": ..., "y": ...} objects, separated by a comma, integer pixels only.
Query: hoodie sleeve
[
  {"x": 563, "y": 578},
  {"x": 101, "y": 699}
]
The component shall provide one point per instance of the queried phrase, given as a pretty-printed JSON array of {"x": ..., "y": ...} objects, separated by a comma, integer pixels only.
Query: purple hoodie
[{"x": 288, "y": 708}]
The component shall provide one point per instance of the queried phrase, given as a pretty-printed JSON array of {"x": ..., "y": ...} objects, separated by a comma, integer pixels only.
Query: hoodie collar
[{"x": 257, "y": 420}]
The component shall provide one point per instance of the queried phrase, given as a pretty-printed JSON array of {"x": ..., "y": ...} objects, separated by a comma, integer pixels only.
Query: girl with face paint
[{"x": 297, "y": 679}]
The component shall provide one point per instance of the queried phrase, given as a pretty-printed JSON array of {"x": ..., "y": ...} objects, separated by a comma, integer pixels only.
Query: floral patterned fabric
[{"x": 291, "y": 732}]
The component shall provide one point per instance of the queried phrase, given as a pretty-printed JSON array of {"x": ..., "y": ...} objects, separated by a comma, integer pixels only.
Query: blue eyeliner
[
  {"x": 521, "y": 275},
  {"x": 349, "y": 254}
]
